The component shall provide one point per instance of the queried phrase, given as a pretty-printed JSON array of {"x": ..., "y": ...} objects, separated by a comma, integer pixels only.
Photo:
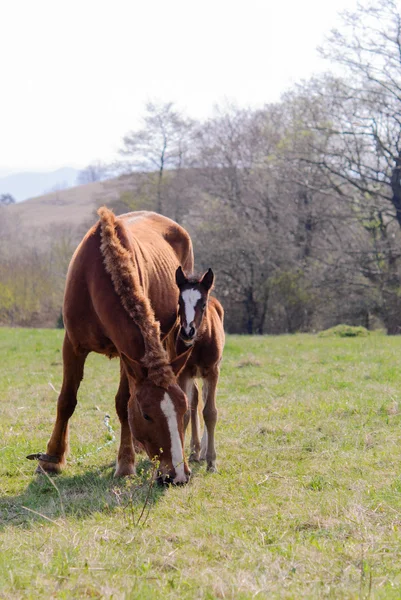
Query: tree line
[{"x": 297, "y": 205}]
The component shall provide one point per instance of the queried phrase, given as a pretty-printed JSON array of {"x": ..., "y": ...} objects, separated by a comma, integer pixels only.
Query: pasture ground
[{"x": 306, "y": 504}]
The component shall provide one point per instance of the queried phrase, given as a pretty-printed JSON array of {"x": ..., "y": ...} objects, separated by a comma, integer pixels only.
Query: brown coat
[
  {"x": 94, "y": 316},
  {"x": 120, "y": 300}
]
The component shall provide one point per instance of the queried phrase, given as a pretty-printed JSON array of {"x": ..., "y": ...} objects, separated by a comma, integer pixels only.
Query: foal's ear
[
  {"x": 133, "y": 367},
  {"x": 180, "y": 361},
  {"x": 207, "y": 280},
  {"x": 180, "y": 278}
]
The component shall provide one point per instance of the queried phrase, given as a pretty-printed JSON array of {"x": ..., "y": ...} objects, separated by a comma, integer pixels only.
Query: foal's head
[
  {"x": 194, "y": 294},
  {"x": 156, "y": 419}
]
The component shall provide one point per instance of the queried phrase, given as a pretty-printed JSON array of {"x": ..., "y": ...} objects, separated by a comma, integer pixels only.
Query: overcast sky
[{"x": 75, "y": 75}]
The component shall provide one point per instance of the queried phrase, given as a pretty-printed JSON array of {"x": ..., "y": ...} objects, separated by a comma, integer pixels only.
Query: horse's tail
[{"x": 120, "y": 264}]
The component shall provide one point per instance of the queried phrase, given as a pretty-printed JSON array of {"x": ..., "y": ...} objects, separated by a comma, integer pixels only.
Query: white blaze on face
[
  {"x": 190, "y": 298},
  {"x": 177, "y": 457}
]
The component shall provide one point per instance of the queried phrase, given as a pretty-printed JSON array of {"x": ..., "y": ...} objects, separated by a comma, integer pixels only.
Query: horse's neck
[{"x": 204, "y": 329}]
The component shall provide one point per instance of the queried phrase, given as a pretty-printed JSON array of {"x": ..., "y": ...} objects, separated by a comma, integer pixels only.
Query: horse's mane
[
  {"x": 194, "y": 278},
  {"x": 120, "y": 264}
]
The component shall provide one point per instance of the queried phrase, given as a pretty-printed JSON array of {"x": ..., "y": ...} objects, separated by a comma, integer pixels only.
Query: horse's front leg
[
  {"x": 190, "y": 387},
  {"x": 126, "y": 452},
  {"x": 195, "y": 428},
  {"x": 208, "y": 450},
  {"x": 58, "y": 445}
]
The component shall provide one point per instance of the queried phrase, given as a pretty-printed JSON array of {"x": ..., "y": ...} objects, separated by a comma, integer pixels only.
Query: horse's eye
[
  {"x": 146, "y": 417},
  {"x": 203, "y": 306}
]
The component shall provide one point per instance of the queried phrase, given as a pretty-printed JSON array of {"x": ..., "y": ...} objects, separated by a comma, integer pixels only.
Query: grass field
[{"x": 306, "y": 504}]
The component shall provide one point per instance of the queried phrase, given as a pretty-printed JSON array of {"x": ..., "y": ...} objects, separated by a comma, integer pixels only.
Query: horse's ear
[
  {"x": 207, "y": 280},
  {"x": 180, "y": 278},
  {"x": 180, "y": 361},
  {"x": 133, "y": 367}
]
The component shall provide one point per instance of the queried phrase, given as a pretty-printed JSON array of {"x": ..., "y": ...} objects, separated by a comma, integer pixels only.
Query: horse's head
[
  {"x": 194, "y": 294},
  {"x": 156, "y": 419}
]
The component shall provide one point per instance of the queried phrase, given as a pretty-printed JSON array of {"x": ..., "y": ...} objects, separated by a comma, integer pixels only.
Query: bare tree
[
  {"x": 363, "y": 125},
  {"x": 96, "y": 171},
  {"x": 6, "y": 199},
  {"x": 163, "y": 143}
]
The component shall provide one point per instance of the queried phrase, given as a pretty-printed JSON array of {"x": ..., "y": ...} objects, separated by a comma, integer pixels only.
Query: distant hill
[
  {"x": 29, "y": 185},
  {"x": 72, "y": 209}
]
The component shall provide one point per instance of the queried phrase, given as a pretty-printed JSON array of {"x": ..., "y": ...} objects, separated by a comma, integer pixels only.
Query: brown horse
[
  {"x": 201, "y": 328},
  {"x": 120, "y": 280}
]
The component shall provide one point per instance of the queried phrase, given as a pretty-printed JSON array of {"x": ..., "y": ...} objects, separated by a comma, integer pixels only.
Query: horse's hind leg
[
  {"x": 208, "y": 450},
  {"x": 58, "y": 445},
  {"x": 126, "y": 453}
]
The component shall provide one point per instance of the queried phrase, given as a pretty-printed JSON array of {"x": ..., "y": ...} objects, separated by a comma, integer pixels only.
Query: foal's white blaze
[
  {"x": 177, "y": 457},
  {"x": 190, "y": 298}
]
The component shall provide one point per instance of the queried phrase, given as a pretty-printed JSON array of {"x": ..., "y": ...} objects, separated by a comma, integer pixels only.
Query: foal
[{"x": 201, "y": 327}]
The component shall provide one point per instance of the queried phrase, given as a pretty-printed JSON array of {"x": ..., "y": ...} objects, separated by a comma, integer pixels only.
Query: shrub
[{"x": 345, "y": 331}]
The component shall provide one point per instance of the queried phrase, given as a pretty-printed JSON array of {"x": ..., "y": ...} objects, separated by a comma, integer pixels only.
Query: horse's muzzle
[
  {"x": 169, "y": 479},
  {"x": 188, "y": 338}
]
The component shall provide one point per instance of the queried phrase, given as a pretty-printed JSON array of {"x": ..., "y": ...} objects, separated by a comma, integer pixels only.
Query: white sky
[{"x": 75, "y": 75}]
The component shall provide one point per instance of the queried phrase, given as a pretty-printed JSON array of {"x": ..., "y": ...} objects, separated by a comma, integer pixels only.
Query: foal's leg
[
  {"x": 208, "y": 450},
  {"x": 58, "y": 445},
  {"x": 195, "y": 437},
  {"x": 185, "y": 383},
  {"x": 190, "y": 387},
  {"x": 126, "y": 453}
]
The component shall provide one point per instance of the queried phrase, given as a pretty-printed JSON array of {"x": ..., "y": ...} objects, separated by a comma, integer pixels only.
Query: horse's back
[
  {"x": 162, "y": 246},
  {"x": 145, "y": 233},
  {"x": 92, "y": 309},
  {"x": 153, "y": 231}
]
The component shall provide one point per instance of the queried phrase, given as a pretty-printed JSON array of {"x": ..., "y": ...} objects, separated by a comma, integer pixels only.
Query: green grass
[{"x": 306, "y": 504}]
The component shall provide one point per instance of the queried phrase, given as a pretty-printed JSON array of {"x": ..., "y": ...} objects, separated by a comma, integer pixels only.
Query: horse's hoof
[
  {"x": 212, "y": 469},
  {"x": 194, "y": 457},
  {"x": 48, "y": 468},
  {"x": 126, "y": 470}
]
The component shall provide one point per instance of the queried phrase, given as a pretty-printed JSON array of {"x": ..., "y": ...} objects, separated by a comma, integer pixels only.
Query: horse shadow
[{"x": 51, "y": 498}]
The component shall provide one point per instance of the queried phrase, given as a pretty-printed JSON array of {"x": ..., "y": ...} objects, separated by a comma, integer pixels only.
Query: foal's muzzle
[{"x": 187, "y": 337}]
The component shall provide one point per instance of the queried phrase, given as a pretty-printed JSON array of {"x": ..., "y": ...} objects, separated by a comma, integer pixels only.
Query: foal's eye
[
  {"x": 203, "y": 306},
  {"x": 146, "y": 417}
]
